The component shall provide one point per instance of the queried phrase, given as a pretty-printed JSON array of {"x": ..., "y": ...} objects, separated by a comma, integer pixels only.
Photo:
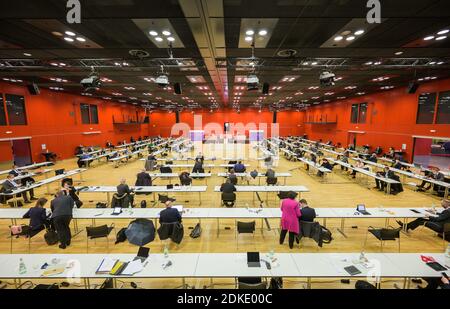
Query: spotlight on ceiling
[
  {"x": 92, "y": 82},
  {"x": 252, "y": 82},
  {"x": 327, "y": 79}
]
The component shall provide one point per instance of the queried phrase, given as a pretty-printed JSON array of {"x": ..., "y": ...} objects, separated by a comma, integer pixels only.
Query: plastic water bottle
[
  {"x": 166, "y": 252},
  {"x": 22, "y": 267}
]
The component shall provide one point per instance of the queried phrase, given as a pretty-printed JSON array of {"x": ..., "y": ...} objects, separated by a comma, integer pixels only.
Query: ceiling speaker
[
  {"x": 412, "y": 87},
  {"x": 33, "y": 89},
  {"x": 177, "y": 88},
  {"x": 265, "y": 89}
]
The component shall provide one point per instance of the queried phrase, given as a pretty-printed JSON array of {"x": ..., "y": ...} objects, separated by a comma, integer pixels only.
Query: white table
[{"x": 27, "y": 167}]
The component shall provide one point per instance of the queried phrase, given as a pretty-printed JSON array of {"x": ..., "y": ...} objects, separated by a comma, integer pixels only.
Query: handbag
[
  {"x": 51, "y": 237},
  {"x": 197, "y": 231}
]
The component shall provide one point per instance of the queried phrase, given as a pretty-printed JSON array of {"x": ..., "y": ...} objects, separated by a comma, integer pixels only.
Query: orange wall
[
  {"x": 54, "y": 119},
  {"x": 391, "y": 119},
  {"x": 289, "y": 122}
]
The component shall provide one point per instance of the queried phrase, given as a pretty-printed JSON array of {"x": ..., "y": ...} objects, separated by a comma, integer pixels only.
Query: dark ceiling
[{"x": 209, "y": 43}]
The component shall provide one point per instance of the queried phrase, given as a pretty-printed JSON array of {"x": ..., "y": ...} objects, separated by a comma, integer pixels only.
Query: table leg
[
  {"x": 341, "y": 229},
  {"x": 308, "y": 283},
  {"x": 108, "y": 198},
  {"x": 200, "y": 197},
  {"x": 218, "y": 228},
  {"x": 325, "y": 222}
]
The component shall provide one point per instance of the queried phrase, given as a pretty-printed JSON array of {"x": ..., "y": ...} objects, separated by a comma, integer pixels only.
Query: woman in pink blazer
[{"x": 290, "y": 212}]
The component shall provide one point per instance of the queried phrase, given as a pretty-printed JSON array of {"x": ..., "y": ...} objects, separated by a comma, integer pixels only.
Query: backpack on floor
[
  {"x": 326, "y": 235},
  {"x": 143, "y": 204},
  {"x": 51, "y": 238},
  {"x": 197, "y": 231},
  {"x": 121, "y": 236}
]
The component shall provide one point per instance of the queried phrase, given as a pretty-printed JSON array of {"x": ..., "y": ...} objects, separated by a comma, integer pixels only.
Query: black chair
[
  {"x": 122, "y": 201},
  {"x": 282, "y": 195},
  {"x": 384, "y": 234},
  {"x": 164, "y": 198},
  {"x": 272, "y": 180},
  {"x": 27, "y": 233},
  {"x": 248, "y": 283},
  {"x": 94, "y": 232},
  {"x": 228, "y": 199},
  {"x": 233, "y": 180},
  {"x": 244, "y": 228}
]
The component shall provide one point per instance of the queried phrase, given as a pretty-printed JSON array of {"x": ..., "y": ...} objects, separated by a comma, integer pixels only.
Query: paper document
[
  {"x": 133, "y": 267},
  {"x": 106, "y": 265}
]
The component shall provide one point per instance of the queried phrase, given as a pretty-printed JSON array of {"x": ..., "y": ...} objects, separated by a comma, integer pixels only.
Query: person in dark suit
[
  {"x": 397, "y": 165},
  {"x": 38, "y": 217},
  {"x": 308, "y": 213},
  {"x": 227, "y": 187},
  {"x": 325, "y": 164},
  {"x": 387, "y": 173},
  {"x": 62, "y": 207},
  {"x": 24, "y": 181},
  {"x": 379, "y": 150},
  {"x": 373, "y": 158},
  {"x": 143, "y": 179},
  {"x": 169, "y": 215},
  {"x": 198, "y": 166},
  {"x": 123, "y": 188},
  {"x": 69, "y": 189},
  {"x": 10, "y": 185},
  {"x": 435, "y": 223}
]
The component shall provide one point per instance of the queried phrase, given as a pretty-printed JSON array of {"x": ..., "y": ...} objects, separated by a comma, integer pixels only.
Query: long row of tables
[{"x": 204, "y": 265}]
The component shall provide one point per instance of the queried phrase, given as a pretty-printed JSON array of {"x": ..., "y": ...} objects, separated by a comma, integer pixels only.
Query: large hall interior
[{"x": 224, "y": 144}]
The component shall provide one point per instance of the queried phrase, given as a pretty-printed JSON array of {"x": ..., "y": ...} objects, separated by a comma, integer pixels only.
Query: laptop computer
[
  {"x": 178, "y": 207},
  {"x": 361, "y": 208},
  {"x": 117, "y": 211},
  {"x": 253, "y": 259},
  {"x": 142, "y": 254}
]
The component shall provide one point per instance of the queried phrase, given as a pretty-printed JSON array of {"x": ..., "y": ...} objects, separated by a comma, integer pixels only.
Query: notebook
[
  {"x": 117, "y": 211},
  {"x": 106, "y": 266}
]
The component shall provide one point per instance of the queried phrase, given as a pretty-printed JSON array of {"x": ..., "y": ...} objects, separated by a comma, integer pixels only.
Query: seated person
[
  {"x": 200, "y": 157},
  {"x": 387, "y": 173},
  {"x": 169, "y": 214},
  {"x": 373, "y": 158},
  {"x": 232, "y": 177},
  {"x": 198, "y": 166},
  {"x": 270, "y": 174},
  {"x": 38, "y": 217},
  {"x": 239, "y": 167},
  {"x": 397, "y": 165},
  {"x": 125, "y": 196},
  {"x": 17, "y": 172},
  {"x": 185, "y": 179},
  {"x": 83, "y": 160},
  {"x": 79, "y": 150},
  {"x": 390, "y": 154},
  {"x": 227, "y": 187},
  {"x": 325, "y": 164},
  {"x": 10, "y": 185},
  {"x": 308, "y": 213},
  {"x": 379, "y": 150},
  {"x": 143, "y": 179},
  {"x": 434, "y": 223},
  {"x": 359, "y": 164},
  {"x": 344, "y": 158},
  {"x": 69, "y": 189}
]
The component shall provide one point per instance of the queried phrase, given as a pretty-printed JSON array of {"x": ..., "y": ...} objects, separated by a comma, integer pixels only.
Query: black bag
[
  {"x": 78, "y": 203},
  {"x": 51, "y": 238},
  {"x": 364, "y": 285},
  {"x": 101, "y": 205},
  {"x": 276, "y": 283},
  {"x": 178, "y": 233},
  {"x": 197, "y": 231},
  {"x": 326, "y": 235},
  {"x": 121, "y": 236},
  {"x": 144, "y": 204}
]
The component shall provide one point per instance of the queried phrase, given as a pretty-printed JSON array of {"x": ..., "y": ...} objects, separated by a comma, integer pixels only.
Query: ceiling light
[
  {"x": 27, "y": 54},
  {"x": 249, "y": 32},
  {"x": 166, "y": 33},
  {"x": 359, "y": 32},
  {"x": 350, "y": 38},
  {"x": 441, "y": 37},
  {"x": 428, "y": 38},
  {"x": 262, "y": 32},
  {"x": 440, "y": 62},
  {"x": 248, "y": 38},
  {"x": 432, "y": 62},
  {"x": 68, "y": 39},
  {"x": 313, "y": 63},
  {"x": 80, "y": 39},
  {"x": 70, "y": 33},
  {"x": 171, "y": 39},
  {"x": 338, "y": 38},
  {"x": 153, "y": 33},
  {"x": 443, "y": 32},
  {"x": 158, "y": 39},
  {"x": 398, "y": 53},
  {"x": 56, "y": 33}
]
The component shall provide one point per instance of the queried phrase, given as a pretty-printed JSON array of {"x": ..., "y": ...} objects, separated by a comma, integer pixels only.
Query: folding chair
[
  {"x": 94, "y": 232},
  {"x": 244, "y": 228},
  {"x": 384, "y": 234}
]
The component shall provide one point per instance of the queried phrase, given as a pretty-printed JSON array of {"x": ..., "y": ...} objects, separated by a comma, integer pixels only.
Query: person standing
[
  {"x": 290, "y": 212},
  {"x": 62, "y": 207}
]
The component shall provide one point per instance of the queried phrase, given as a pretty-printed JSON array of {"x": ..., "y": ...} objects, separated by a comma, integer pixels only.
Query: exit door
[
  {"x": 352, "y": 139},
  {"x": 21, "y": 151}
]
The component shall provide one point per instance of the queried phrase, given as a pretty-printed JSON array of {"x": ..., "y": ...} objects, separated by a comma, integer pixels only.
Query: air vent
[
  {"x": 139, "y": 53},
  {"x": 287, "y": 53}
]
